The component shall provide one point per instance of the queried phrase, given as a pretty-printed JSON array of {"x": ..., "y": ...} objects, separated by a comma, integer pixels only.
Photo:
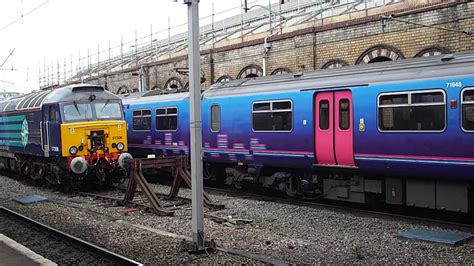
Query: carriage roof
[
  {"x": 36, "y": 99},
  {"x": 408, "y": 69}
]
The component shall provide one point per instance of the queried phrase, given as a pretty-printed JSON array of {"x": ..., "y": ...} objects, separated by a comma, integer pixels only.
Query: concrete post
[{"x": 195, "y": 122}]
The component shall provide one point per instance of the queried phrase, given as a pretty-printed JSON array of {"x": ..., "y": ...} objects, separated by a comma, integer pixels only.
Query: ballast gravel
[{"x": 289, "y": 233}]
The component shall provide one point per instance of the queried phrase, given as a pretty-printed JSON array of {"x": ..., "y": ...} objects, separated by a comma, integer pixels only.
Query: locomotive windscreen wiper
[
  {"x": 77, "y": 108},
  {"x": 105, "y": 105}
]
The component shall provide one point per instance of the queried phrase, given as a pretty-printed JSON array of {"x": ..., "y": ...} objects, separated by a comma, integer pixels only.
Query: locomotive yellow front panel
[{"x": 85, "y": 138}]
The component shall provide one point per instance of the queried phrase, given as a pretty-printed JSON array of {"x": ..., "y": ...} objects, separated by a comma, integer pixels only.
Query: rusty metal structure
[{"x": 180, "y": 164}]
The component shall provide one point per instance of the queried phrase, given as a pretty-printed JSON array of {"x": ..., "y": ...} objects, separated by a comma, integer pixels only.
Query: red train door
[{"x": 334, "y": 128}]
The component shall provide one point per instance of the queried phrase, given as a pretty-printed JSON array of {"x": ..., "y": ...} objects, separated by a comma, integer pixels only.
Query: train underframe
[
  {"x": 351, "y": 186},
  {"x": 54, "y": 171}
]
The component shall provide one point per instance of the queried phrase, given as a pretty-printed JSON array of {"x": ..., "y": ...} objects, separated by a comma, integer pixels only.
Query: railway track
[
  {"x": 358, "y": 210},
  {"x": 464, "y": 226},
  {"x": 55, "y": 245}
]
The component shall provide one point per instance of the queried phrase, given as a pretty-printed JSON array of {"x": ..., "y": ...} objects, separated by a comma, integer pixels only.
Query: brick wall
[{"x": 311, "y": 46}]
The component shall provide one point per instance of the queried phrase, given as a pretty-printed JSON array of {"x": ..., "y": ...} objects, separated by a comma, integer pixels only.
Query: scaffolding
[{"x": 218, "y": 28}]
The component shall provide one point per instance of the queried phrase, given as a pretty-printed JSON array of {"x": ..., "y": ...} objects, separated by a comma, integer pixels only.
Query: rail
[{"x": 116, "y": 258}]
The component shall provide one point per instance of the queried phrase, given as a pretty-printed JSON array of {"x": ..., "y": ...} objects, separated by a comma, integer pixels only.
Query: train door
[
  {"x": 50, "y": 130},
  {"x": 54, "y": 130},
  {"x": 334, "y": 129}
]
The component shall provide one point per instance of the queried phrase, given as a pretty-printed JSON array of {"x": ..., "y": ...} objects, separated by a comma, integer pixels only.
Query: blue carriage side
[
  {"x": 158, "y": 125},
  {"x": 440, "y": 144},
  {"x": 396, "y": 132},
  {"x": 273, "y": 129}
]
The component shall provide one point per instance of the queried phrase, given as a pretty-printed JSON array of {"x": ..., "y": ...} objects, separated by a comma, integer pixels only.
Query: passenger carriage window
[
  {"x": 324, "y": 114},
  {"x": 272, "y": 116},
  {"x": 141, "y": 120},
  {"x": 261, "y": 106},
  {"x": 412, "y": 111},
  {"x": 468, "y": 109},
  {"x": 167, "y": 119},
  {"x": 215, "y": 118},
  {"x": 344, "y": 114}
]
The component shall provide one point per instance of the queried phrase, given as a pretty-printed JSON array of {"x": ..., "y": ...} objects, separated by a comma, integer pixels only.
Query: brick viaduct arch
[
  {"x": 250, "y": 71},
  {"x": 379, "y": 53},
  {"x": 311, "y": 46}
]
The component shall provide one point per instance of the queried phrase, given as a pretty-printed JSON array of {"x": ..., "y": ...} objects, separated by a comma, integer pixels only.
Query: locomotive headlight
[
  {"x": 73, "y": 150},
  {"x": 120, "y": 146},
  {"x": 114, "y": 145}
]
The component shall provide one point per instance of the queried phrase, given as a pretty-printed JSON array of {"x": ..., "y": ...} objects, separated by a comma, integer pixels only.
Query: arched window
[
  {"x": 280, "y": 71},
  {"x": 432, "y": 51},
  {"x": 224, "y": 79},
  {"x": 250, "y": 71},
  {"x": 379, "y": 53},
  {"x": 173, "y": 85},
  {"x": 123, "y": 90},
  {"x": 336, "y": 63}
]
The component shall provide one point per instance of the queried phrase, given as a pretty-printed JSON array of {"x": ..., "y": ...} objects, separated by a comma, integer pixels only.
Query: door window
[
  {"x": 324, "y": 114},
  {"x": 344, "y": 114}
]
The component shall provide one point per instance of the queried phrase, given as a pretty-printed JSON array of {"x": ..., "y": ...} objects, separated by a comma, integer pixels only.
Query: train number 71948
[{"x": 454, "y": 84}]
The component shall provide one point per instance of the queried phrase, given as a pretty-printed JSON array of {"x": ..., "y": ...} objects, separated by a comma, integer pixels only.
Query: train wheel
[
  {"x": 25, "y": 169},
  {"x": 67, "y": 182},
  {"x": 208, "y": 172},
  {"x": 290, "y": 187},
  {"x": 241, "y": 185},
  {"x": 53, "y": 177}
]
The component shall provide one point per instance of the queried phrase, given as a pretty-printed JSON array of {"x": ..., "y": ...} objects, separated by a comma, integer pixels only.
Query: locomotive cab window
[
  {"x": 272, "y": 116},
  {"x": 141, "y": 120},
  {"x": 75, "y": 112},
  {"x": 166, "y": 119},
  {"x": 108, "y": 110},
  {"x": 467, "y": 103},
  {"x": 412, "y": 111},
  {"x": 215, "y": 118}
]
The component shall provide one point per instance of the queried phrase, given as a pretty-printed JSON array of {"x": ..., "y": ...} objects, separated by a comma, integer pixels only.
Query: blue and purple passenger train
[{"x": 399, "y": 132}]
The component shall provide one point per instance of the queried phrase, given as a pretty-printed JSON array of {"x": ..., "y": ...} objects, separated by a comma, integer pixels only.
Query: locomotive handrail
[
  {"x": 41, "y": 135},
  {"x": 47, "y": 134}
]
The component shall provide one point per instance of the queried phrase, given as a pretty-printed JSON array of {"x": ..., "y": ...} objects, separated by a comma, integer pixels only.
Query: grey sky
[{"x": 57, "y": 29}]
